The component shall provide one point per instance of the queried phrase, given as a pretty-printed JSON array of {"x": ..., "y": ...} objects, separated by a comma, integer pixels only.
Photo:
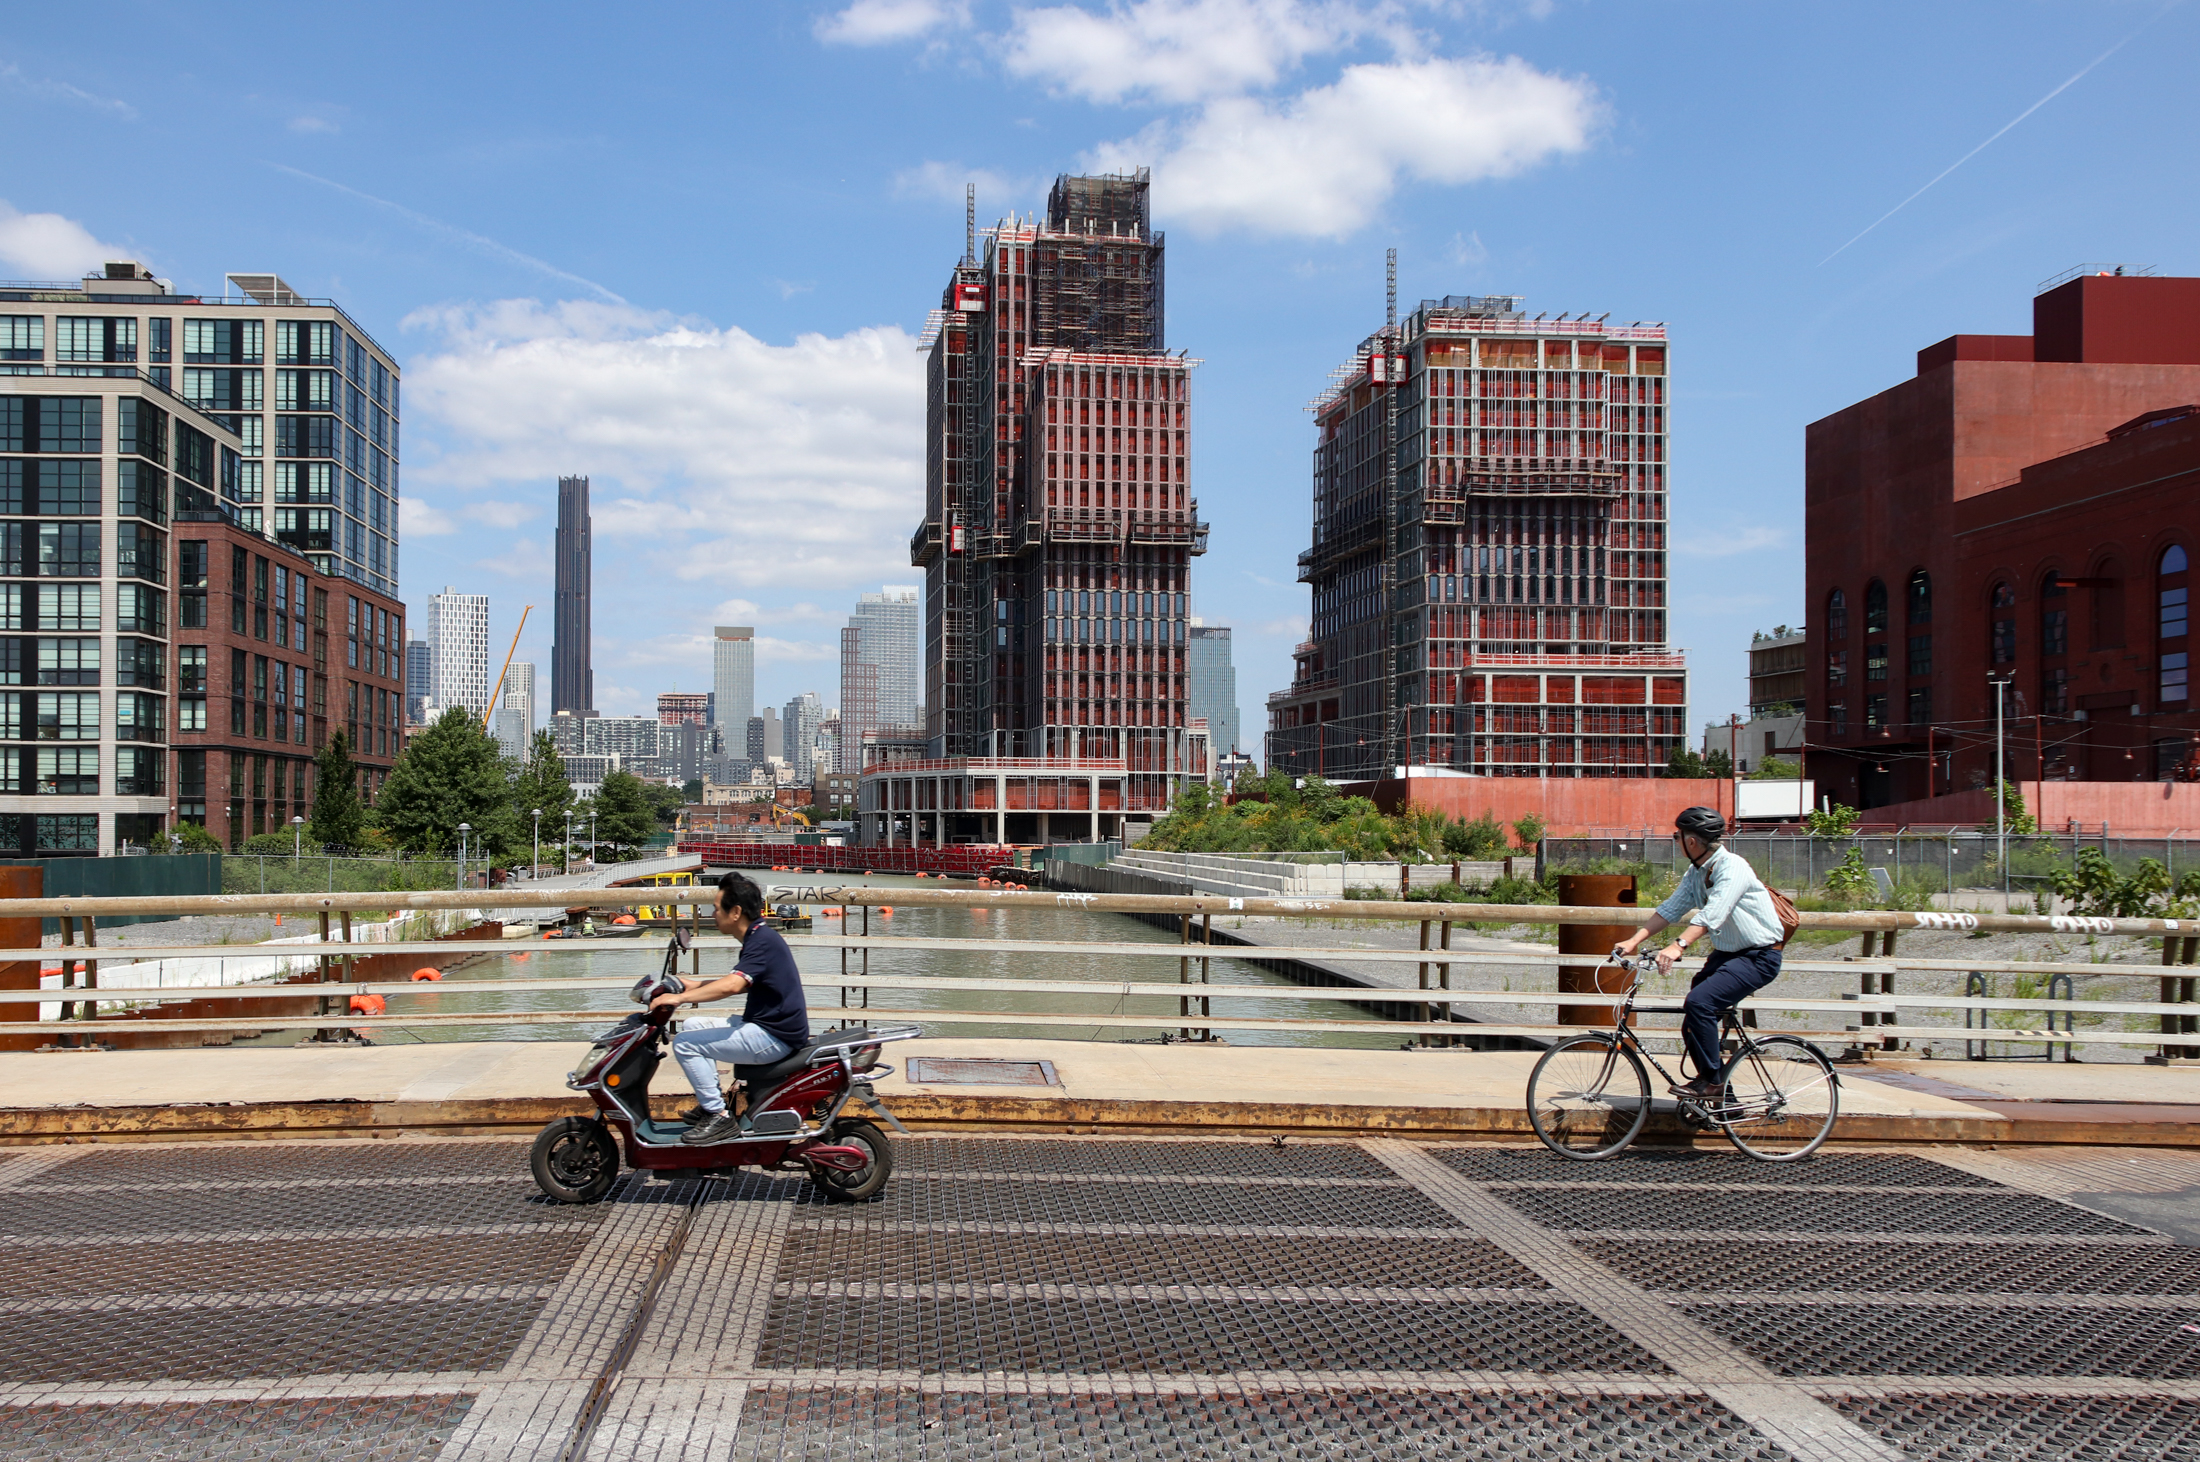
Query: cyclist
[{"x": 1730, "y": 903}]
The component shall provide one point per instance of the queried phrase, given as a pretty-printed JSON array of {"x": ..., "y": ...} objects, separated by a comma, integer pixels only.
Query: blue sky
[{"x": 686, "y": 248}]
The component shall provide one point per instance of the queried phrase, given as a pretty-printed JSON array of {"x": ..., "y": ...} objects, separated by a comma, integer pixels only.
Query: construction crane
[{"x": 498, "y": 694}]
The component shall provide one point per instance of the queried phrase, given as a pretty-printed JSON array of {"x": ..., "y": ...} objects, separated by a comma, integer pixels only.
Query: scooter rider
[
  {"x": 774, "y": 1024},
  {"x": 1732, "y": 903}
]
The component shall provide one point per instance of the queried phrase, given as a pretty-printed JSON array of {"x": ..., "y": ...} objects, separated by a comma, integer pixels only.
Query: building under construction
[
  {"x": 1488, "y": 565},
  {"x": 1059, "y": 525}
]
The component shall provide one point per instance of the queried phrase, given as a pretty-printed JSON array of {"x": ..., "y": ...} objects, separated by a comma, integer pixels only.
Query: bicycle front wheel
[
  {"x": 1588, "y": 1097},
  {"x": 1781, "y": 1099}
]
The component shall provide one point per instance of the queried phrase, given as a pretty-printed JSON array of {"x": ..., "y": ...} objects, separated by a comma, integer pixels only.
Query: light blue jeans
[{"x": 700, "y": 1049}]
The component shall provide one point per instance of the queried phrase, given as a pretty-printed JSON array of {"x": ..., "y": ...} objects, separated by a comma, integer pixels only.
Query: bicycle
[{"x": 1589, "y": 1096}]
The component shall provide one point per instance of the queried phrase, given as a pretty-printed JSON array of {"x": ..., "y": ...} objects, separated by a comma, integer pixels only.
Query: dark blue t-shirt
[{"x": 775, "y": 989}]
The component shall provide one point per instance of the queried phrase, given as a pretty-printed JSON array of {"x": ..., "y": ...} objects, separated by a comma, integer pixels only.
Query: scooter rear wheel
[
  {"x": 839, "y": 1187},
  {"x": 575, "y": 1160}
]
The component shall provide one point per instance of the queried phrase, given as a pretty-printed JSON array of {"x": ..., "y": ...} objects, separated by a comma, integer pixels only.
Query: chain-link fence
[{"x": 1919, "y": 864}]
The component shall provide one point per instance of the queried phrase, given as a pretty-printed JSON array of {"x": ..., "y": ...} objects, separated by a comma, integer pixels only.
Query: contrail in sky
[
  {"x": 1989, "y": 142},
  {"x": 487, "y": 245}
]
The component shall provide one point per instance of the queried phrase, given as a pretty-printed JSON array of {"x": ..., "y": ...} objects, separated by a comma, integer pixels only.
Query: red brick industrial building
[{"x": 2024, "y": 509}]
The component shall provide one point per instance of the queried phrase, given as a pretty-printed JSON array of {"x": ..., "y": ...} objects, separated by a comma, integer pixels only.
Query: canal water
[{"x": 960, "y": 1013}]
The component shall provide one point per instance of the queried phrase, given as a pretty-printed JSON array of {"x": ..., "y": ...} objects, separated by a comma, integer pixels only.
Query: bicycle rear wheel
[
  {"x": 1781, "y": 1099},
  {"x": 1588, "y": 1097}
]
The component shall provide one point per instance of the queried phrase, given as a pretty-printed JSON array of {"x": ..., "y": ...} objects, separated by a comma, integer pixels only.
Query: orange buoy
[
  {"x": 624, "y": 919},
  {"x": 828, "y": 913},
  {"x": 368, "y": 1005},
  {"x": 426, "y": 974},
  {"x": 887, "y": 910},
  {"x": 521, "y": 955}
]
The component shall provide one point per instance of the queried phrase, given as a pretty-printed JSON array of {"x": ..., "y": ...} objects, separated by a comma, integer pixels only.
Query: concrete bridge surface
[{"x": 1044, "y": 1297}]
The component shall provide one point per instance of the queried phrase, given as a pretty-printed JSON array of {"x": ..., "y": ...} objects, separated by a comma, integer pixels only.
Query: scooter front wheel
[
  {"x": 836, "y": 1186},
  {"x": 575, "y": 1160}
]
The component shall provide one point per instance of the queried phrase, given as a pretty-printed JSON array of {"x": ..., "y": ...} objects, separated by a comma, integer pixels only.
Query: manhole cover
[{"x": 980, "y": 1071}]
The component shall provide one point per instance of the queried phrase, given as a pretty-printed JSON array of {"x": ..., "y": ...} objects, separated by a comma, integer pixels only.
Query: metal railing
[{"x": 1881, "y": 1015}]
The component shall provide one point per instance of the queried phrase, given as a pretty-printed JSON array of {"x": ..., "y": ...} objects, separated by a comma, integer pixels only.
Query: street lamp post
[
  {"x": 535, "y": 867},
  {"x": 2001, "y": 777},
  {"x": 463, "y": 829},
  {"x": 591, "y": 840},
  {"x": 297, "y": 838},
  {"x": 565, "y": 859}
]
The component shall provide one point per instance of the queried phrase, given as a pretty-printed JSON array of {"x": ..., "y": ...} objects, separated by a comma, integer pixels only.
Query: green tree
[
  {"x": 540, "y": 782},
  {"x": 624, "y": 816},
  {"x": 2013, "y": 811},
  {"x": 339, "y": 817},
  {"x": 665, "y": 802},
  {"x": 1777, "y": 769},
  {"x": 1480, "y": 839},
  {"x": 453, "y": 772},
  {"x": 187, "y": 837},
  {"x": 1528, "y": 830},
  {"x": 691, "y": 790},
  {"x": 1835, "y": 821},
  {"x": 1685, "y": 764}
]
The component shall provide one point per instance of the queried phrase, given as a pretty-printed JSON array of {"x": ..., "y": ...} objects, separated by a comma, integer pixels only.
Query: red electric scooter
[{"x": 793, "y": 1123}]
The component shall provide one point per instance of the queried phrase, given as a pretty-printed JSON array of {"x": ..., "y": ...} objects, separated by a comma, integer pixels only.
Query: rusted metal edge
[{"x": 952, "y": 1113}]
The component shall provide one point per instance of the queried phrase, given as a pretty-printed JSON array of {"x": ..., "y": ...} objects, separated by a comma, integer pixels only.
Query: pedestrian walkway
[
  {"x": 1056, "y": 1299},
  {"x": 995, "y": 1085}
]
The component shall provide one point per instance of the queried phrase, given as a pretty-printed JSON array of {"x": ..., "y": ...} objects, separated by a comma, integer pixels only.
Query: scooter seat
[{"x": 756, "y": 1078}]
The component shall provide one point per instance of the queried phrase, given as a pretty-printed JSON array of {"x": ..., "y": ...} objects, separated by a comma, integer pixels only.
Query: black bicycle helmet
[{"x": 1702, "y": 822}]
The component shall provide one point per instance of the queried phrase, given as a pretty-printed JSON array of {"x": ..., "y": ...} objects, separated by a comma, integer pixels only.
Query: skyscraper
[
  {"x": 572, "y": 670},
  {"x": 419, "y": 679},
  {"x": 733, "y": 680},
  {"x": 1488, "y": 563},
  {"x": 1211, "y": 684},
  {"x": 798, "y": 733},
  {"x": 1059, "y": 527},
  {"x": 458, "y": 629},
  {"x": 879, "y": 668},
  {"x": 519, "y": 694}
]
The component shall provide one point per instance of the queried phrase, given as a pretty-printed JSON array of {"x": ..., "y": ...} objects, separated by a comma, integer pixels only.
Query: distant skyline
[{"x": 707, "y": 298}]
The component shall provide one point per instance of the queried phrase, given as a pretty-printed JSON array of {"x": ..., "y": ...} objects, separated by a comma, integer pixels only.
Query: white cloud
[
  {"x": 46, "y": 89},
  {"x": 313, "y": 124},
  {"x": 499, "y": 514},
  {"x": 1322, "y": 163},
  {"x": 719, "y": 459},
  {"x": 418, "y": 519},
  {"x": 882, "y": 22},
  {"x": 49, "y": 246},
  {"x": 781, "y": 651},
  {"x": 1467, "y": 249},
  {"x": 1176, "y": 51},
  {"x": 945, "y": 180}
]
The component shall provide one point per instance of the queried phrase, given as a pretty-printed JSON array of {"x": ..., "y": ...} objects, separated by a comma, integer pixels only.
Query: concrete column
[
  {"x": 1094, "y": 784},
  {"x": 1000, "y": 808}
]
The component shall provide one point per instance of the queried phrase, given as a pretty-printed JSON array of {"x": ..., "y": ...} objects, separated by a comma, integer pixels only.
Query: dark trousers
[{"x": 1725, "y": 981}]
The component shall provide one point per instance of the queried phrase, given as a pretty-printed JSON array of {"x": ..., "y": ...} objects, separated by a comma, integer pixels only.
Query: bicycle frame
[{"x": 1724, "y": 1113}]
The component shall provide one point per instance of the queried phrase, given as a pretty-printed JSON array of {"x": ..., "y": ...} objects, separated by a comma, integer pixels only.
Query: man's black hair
[{"x": 740, "y": 891}]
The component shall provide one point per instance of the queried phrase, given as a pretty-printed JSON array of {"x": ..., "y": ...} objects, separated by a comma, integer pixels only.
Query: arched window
[
  {"x": 1875, "y": 608},
  {"x": 2003, "y": 617},
  {"x": 1921, "y": 598},
  {"x": 1837, "y": 616},
  {"x": 2173, "y": 608}
]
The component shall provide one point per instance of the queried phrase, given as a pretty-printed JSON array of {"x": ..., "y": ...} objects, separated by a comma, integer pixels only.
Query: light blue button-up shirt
[{"x": 1733, "y": 902}]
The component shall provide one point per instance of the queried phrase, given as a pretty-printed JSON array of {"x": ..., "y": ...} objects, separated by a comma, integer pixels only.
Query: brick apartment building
[
  {"x": 271, "y": 658},
  {"x": 2025, "y": 508}
]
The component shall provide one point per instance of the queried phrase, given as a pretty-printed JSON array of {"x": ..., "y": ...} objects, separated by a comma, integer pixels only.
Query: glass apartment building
[{"x": 147, "y": 439}]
